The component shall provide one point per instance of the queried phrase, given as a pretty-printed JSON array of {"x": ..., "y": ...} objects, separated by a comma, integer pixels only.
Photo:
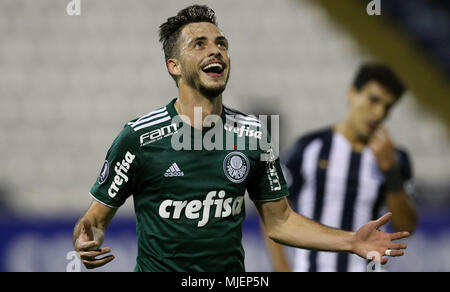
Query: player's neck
[
  {"x": 187, "y": 102},
  {"x": 345, "y": 129}
]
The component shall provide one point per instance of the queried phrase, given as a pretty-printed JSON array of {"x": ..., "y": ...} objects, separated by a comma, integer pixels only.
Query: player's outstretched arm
[
  {"x": 285, "y": 226},
  {"x": 89, "y": 233}
]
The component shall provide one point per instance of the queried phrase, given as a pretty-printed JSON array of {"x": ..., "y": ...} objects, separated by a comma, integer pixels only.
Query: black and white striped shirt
[{"x": 337, "y": 187}]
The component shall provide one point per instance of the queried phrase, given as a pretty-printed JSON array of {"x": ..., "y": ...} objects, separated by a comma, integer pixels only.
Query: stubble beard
[{"x": 211, "y": 92}]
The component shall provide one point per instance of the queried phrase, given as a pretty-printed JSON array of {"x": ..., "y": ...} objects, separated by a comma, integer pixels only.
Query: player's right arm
[
  {"x": 89, "y": 233},
  {"x": 397, "y": 171},
  {"x": 110, "y": 191}
]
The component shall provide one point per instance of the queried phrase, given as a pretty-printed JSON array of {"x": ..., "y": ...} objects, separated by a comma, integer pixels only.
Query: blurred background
[{"x": 68, "y": 84}]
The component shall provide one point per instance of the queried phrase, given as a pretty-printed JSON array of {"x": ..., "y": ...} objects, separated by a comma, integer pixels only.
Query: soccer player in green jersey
[{"x": 188, "y": 197}]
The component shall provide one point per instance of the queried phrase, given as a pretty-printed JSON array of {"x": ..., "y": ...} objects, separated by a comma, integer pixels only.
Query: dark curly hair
[
  {"x": 382, "y": 74},
  {"x": 170, "y": 30}
]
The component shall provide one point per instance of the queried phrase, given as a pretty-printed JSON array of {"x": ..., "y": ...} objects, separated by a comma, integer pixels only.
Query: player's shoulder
[
  {"x": 295, "y": 152},
  {"x": 133, "y": 129},
  {"x": 153, "y": 120},
  {"x": 311, "y": 136},
  {"x": 402, "y": 152}
]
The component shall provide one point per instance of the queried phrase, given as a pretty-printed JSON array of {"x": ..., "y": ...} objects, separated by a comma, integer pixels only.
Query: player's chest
[
  {"x": 338, "y": 175},
  {"x": 197, "y": 171}
]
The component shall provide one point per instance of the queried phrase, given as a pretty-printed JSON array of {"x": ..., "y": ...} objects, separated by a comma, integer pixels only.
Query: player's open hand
[
  {"x": 88, "y": 246},
  {"x": 369, "y": 239}
]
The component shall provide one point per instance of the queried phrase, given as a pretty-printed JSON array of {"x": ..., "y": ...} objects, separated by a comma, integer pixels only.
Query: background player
[
  {"x": 342, "y": 175},
  {"x": 184, "y": 224}
]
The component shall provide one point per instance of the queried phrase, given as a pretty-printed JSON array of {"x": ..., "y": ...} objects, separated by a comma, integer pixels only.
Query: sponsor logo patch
[
  {"x": 158, "y": 134},
  {"x": 103, "y": 173},
  {"x": 243, "y": 131},
  {"x": 121, "y": 177},
  {"x": 215, "y": 205},
  {"x": 272, "y": 173},
  {"x": 173, "y": 170}
]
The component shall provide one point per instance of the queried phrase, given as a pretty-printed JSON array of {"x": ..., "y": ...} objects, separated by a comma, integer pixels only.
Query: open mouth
[{"x": 214, "y": 69}]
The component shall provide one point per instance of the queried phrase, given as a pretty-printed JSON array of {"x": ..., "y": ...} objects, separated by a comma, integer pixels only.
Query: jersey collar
[{"x": 173, "y": 112}]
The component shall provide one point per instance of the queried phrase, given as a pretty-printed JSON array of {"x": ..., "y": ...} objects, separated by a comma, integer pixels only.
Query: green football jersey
[{"x": 189, "y": 196}]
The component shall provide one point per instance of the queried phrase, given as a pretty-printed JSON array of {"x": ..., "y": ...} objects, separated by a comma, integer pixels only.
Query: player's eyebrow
[
  {"x": 221, "y": 38},
  {"x": 204, "y": 38},
  {"x": 200, "y": 38}
]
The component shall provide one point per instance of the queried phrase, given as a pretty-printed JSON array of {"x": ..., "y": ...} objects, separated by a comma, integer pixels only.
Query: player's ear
[{"x": 174, "y": 67}]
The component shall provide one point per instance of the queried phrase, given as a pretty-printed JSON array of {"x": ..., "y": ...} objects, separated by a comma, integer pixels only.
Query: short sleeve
[
  {"x": 268, "y": 183},
  {"x": 404, "y": 162},
  {"x": 406, "y": 171},
  {"x": 118, "y": 173}
]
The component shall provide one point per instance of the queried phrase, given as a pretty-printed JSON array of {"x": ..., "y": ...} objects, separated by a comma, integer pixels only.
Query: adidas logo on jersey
[{"x": 173, "y": 170}]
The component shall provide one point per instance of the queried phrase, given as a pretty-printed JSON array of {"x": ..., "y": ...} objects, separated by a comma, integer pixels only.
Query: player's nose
[{"x": 213, "y": 50}]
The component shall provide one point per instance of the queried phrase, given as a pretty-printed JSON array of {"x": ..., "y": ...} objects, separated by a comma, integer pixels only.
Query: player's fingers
[
  {"x": 383, "y": 220},
  {"x": 399, "y": 235},
  {"x": 397, "y": 246},
  {"x": 386, "y": 133},
  {"x": 375, "y": 144},
  {"x": 384, "y": 260},
  {"x": 91, "y": 264},
  {"x": 396, "y": 253},
  {"x": 375, "y": 138},
  {"x": 86, "y": 245},
  {"x": 94, "y": 253},
  {"x": 380, "y": 134}
]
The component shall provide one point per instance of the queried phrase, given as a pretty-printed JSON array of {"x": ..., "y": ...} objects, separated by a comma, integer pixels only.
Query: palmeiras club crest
[{"x": 236, "y": 166}]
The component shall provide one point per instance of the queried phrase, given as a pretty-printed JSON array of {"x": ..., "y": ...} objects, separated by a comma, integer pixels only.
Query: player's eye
[
  {"x": 374, "y": 99},
  {"x": 222, "y": 45},
  {"x": 198, "y": 44}
]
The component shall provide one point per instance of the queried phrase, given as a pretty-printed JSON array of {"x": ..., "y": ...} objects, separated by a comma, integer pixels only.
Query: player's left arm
[
  {"x": 397, "y": 198},
  {"x": 284, "y": 226},
  {"x": 268, "y": 188}
]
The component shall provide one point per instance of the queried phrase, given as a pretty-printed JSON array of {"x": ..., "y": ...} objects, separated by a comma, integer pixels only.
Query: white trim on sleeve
[
  {"x": 269, "y": 200},
  {"x": 102, "y": 202}
]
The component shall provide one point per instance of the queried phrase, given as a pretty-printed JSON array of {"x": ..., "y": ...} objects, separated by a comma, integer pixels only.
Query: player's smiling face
[
  {"x": 369, "y": 107},
  {"x": 203, "y": 58}
]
